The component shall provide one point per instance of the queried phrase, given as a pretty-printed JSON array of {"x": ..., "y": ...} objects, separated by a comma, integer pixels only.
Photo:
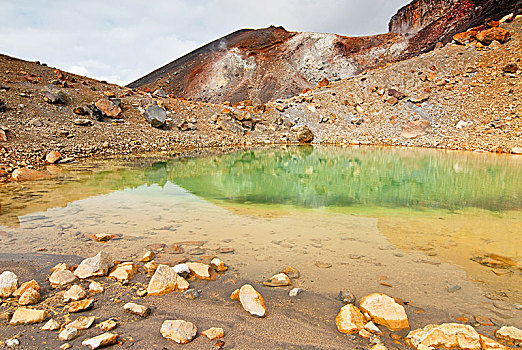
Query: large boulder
[
  {"x": 109, "y": 108},
  {"x": 98, "y": 265},
  {"x": 444, "y": 336},
  {"x": 305, "y": 135},
  {"x": 155, "y": 115},
  {"x": 499, "y": 34},
  {"x": 180, "y": 331},
  {"x": 350, "y": 319},
  {"x": 385, "y": 311},
  {"x": 26, "y": 174},
  {"x": 8, "y": 284}
]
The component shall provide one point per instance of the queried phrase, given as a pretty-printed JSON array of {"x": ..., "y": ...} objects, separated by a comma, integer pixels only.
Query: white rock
[
  {"x": 294, "y": 292},
  {"x": 124, "y": 272},
  {"x": 510, "y": 334},
  {"x": 136, "y": 309},
  {"x": 51, "y": 325},
  {"x": 98, "y": 265},
  {"x": 24, "y": 315},
  {"x": 180, "y": 331},
  {"x": 101, "y": 340},
  {"x": 29, "y": 297},
  {"x": 8, "y": 284},
  {"x": 74, "y": 293},
  {"x": 181, "y": 269},
  {"x": 218, "y": 265},
  {"x": 10, "y": 343},
  {"x": 61, "y": 278},
  {"x": 96, "y": 287},
  {"x": 279, "y": 280},
  {"x": 252, "y": 301},
  {"x": 68, "y": 334}
]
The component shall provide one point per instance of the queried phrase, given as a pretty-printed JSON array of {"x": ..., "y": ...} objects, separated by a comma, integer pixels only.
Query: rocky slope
[
  {"x": 268, "y": 63},
  {"x": 427, "y": 22},
  {"x": 457, "y": 97}
]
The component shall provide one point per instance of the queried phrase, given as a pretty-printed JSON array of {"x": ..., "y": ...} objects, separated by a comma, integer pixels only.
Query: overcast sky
[{"x": 120, "y": 41}]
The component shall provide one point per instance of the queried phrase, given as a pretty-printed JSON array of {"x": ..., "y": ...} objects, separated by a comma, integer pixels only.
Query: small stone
[
  {"x": 452, "y": 288},
  {"x": 180, "y": 331},
  {"x": 385, "y": 311},
  {"x": 489, "y": 344},
  {"x": 363, "y": 333},
  {"x": 29, "y": 297},
  {"x": 150, "y": 267},
  {"x": 141, "y": 293},
  {"x": 371, "y": 327},
  {"x": 23, "y": 315},
  {"x": 148, "y": 256},
  {"x": 305, "y": 135},
  {"x": 291, "y": 272},
  {"x": 350, "y": 319},
  {"x": 98, "y": 265},
  {"x": 235, "y": 295},
  {"x": 50, "y": 325},
  {"x": 101, "y": 237},
  {"x": 137, "y": 309},
  {"x": 294, "y": 292},
  {"x": 53, "y": 157},
  {"x": 82, "y": 322},
  {"x": 252, "y": 301},
  {"x": 81, "y": 305},
  {"x": 107, "y": 325},
  {"x": 65, "y": 346},
  {"x": 124, "y": 272},
  {"x": 191, "y": 294},
  {"x": 74, "y": 293},
  {"x": 82, "y": 122},
  {"x": 378, "y": 347},
  {"x": 278, "y": 280},
  {"x": 419, "y": 98},
  {"x": 182, "y": 269},
  {"x": 516, "y": 150},
  {"x": 101, "y": 340},
  {"x": 36, "y": 122},
  {"x": 213, "y": 333},
  {"x": 322, "y": 265},
  {"x": 53, "y": 96},
  {"x": 199, "y": 270},
  {"x": 346, "y": 297},
  {"x": 218, "y": 265},
  {"x": 11, "y": 343},
  {"x": 8, "y": 284},
  {"x": 62, "y": 278},
  {"x": 25, "y": 286},
  {"x": 96, "y": 287},
  {"x": 509, "y": 334}
]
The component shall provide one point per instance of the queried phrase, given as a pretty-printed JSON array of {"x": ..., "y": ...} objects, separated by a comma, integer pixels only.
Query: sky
[{"x": 120, "y": 41}]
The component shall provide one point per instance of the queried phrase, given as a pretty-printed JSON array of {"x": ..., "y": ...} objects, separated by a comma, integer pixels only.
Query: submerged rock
[
  {"x": 350, "y": 319},
  {"x": 385, "y": 311},
  {"x": 180, "y": 331},
  {"x": 25, "y": 174}
]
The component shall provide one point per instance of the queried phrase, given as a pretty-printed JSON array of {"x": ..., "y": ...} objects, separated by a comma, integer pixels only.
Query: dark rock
[
  {"x": 155, "y": 115},
  {"x": 53, "y": 96},
  {"x": 346, "y": 297},
  {"x": 3, "y": 107},
  {"x": 510, "y": 68},
  {"x": 305, "y": 135},
  {"x": 397, "y": 94},
  {"x": 80, "y": 110}
]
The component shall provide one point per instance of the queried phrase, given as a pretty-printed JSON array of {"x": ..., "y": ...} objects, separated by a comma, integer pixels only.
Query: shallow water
[{"x": 411, "y": 219}]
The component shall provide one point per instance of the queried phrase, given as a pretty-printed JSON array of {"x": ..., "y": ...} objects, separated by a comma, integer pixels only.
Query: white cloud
[{"x": 121, "y": 41}]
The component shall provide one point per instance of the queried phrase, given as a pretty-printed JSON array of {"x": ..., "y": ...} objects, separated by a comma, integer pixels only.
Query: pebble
[
  {"x": 137, "y": 309},
  {"x": 96, "y": 287},
  {"x": 98, "y": 265},
  {"x": 81, "y": 305},
  {"x": 51, "y": 325},
  {"x": 68, "y": 334},
  {"x": 294, "y": 292},
  {"x": 213, "y": 333},
  {"x": 101, "y": 340},
  {"x": 180, "y": 331},
  {"x": 8, "y": 284},
  {"x": 252, "y": 301},
  {"x": 74, "y": 293},
  {"x": 107, "y": 325}
]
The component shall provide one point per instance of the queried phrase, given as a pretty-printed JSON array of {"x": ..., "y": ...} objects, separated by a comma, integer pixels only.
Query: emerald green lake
[{"x": 416, "y": 217}]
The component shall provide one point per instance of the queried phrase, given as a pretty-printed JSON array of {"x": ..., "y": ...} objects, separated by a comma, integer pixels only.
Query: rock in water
[
  {"x": 61, "y": 278},
  {"x": 416, "y": 128},
  {"x": 385, "y": 311},
  {"x": 98, "y": 265},
  {"x": 350, "y": 319},
  {"x": 25, "y": 174},
  {"x": 278, "y": 280},
  {"x": 8, "y": 284},
  {"x": 23, "y": 315},
  {"x": 155, "y": 115},
  {"x": 509, "y": 334},
  {"x": 101, "y": 340},
  {"x": 213, "y": 333},
  {"x": 305, "y": 135},
  {"x": 74, "y": 293},
  {"x": 252, "y": 301},
  {"x": 445, "y": 336},
  {"x": 180, "y": 331},
  {"x": 136, "y": 309}
]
